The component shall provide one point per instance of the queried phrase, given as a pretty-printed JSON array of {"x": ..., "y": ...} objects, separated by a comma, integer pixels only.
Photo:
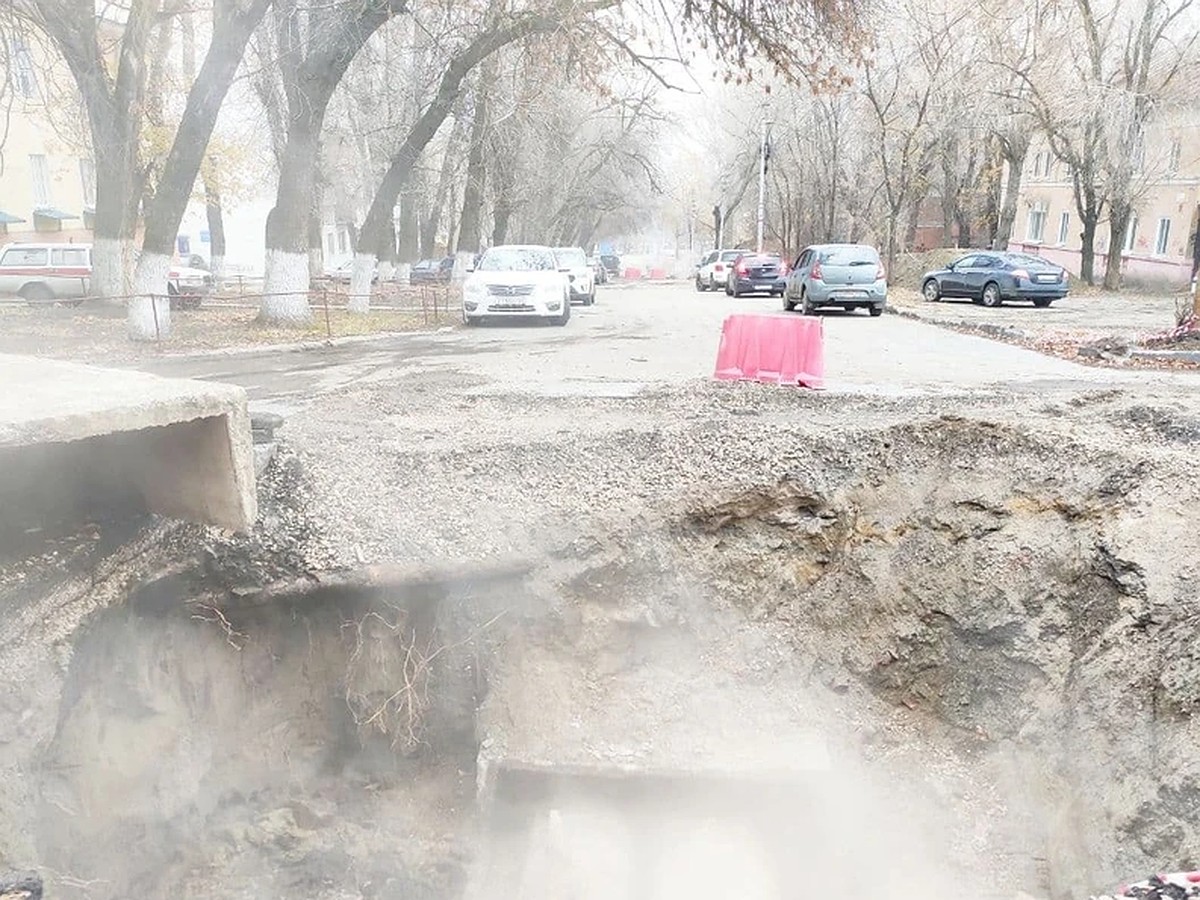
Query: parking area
[{"x": 1085, "y": 315}]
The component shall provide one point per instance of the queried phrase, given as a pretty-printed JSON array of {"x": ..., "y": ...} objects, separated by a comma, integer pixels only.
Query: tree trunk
[
  {"x": 1119, "y": 215},
  {"x": 1087, "y": 251},
  {"x": 950, "y": 189},
  {"x": 433, "y": 221},
  {"x": 286, "y": 279},
  {"x": 216, "y": 225},
  {"x": 1014, "y": 155},
  {"x": 231, "y": 32},
  {"x": 469, "y": 232},
  {"x": 313, "y": 66}
]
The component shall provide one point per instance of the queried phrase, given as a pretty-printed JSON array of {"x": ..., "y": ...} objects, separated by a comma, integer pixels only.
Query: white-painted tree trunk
[
  {"x": 285, "y": 288},
  {"x": 148, "y": 312},
  {"x": 403, "y": 274},
  {"x": 217, "y": 266},
  {"x": 387, "y": 270},
  {"x": 110, "y": 272},
  {"x": 360, "y": 282}
]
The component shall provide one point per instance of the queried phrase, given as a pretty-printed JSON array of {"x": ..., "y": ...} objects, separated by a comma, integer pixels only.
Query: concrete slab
[{"x": 74, "y": 436}]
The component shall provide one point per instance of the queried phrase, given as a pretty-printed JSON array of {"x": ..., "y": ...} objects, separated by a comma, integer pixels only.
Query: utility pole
[{"x": 764, "y": 153}]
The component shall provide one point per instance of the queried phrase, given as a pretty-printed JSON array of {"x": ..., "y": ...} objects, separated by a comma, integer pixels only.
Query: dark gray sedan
[{"x": 992, "y": 277}]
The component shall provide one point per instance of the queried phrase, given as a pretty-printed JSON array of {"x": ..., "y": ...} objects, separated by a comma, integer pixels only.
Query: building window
[
  {"x": 1037, "y": 224},
  {"x": 1064, "y": 226},
  {"x": 1173, "y": 156},
  {"x": 87, "y": 177},
  {"x": 1131, "y": 234},
  {"x": 23, "y": 74},
  {"x": 41, "y": 179},
  {"x": 1162, "y": 237}
]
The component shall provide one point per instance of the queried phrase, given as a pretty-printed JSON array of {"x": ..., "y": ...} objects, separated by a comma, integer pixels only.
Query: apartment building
[
  {"x": 1160, "y": 246},
  {"x": 47, "y": 177}
]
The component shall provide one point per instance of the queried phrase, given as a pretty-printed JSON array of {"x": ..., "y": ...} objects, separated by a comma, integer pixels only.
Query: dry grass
[{"x": 97, "y": 334}]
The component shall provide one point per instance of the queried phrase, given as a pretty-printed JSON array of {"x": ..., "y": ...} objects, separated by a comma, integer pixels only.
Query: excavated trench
[{"x": 971, "y": 659}]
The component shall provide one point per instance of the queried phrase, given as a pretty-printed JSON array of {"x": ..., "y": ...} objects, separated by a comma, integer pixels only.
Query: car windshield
[
  {"x": 850, "y": 256},
  {"x": 571, "y": 257},
  {"x": 517, "y": 259},
  {"x": 765, "y": 260},
  {"x": 731, "y": 255}
]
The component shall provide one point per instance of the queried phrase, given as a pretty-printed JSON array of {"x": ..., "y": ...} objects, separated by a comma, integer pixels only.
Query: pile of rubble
[{"x": 1180, "y": 886}]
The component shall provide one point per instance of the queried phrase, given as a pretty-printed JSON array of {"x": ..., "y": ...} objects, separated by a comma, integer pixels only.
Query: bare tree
[
  {"x": 314, "y": 43},
  {"x": 113, "y": 88}
]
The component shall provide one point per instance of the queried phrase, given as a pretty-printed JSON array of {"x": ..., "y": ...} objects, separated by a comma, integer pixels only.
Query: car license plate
[
  {"x": 1047, "y": 278},
  {"x": 765, "y": 284},
  {"x": 507, "y": 305}
]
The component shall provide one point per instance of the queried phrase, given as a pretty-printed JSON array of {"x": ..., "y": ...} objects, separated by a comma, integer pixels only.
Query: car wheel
[
  {"x": 565, "y": 317},
  {"x": 1042, "y": 302},
  {"x": 712, "y": 285},
  {"x": 736, "y": 292},
  {"x": 876, "y": 311},
  {"x": 931, "y": 291},
  {"x": 473, "y": 321},
  {"x": 805, "y": 306},
  {"x": 788, "y": 305},
  {"x": 36, "y": 293},
  {"x": 991, "y": 295},
  {"x": 591, "y": 299},
  {"x": 700, "y": 285}
]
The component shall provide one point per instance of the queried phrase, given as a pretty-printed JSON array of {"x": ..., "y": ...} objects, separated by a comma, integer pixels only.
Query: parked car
[
  {"x": 757, "y": 273},
  {"x": 992, "y": 277},
  {"x": 62, "y": 273},
  {"x": 572, "y": 262},
  {"x": 47, "y": 273},
  {"x": 515, "y": 281},
  {"x": 612, "y": 264},
  {"x": 430, "y": 271},
  {"x": 849, "y": 276},
  {"x": 187, "y": 286},
  {"x": 599, "y": 273},
  {"x": 714, "y": 269},
  {"x": 340, "y": 273}
]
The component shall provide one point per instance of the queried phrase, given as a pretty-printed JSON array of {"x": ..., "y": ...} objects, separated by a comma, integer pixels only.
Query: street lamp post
[{"x": 764, "y": 153}]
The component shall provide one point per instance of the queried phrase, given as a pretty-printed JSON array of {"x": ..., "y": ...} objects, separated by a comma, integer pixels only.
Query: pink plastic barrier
[
  {"x": 773, "y": 350},
  {"x": 633, "y": 274},
  {"x": 658, "y": 274}
]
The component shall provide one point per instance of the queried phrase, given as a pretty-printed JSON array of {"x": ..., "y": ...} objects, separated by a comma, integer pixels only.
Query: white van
[
  {"x": 42, "y": 273},
  {"x": 62, "y": 273}
]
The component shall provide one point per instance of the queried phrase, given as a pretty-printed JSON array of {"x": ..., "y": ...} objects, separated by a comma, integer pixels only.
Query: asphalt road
[{"x": 644, "y": 336}]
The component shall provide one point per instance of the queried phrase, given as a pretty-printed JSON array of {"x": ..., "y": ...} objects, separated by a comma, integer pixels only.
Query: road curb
[
  {"x": 1191, "y": 356},
  {"x": 302, "y": 346},
  {"x": 987, "y": 329}
]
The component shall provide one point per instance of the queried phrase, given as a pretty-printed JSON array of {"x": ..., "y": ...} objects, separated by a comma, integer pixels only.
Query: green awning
[
  {"x": 49, "y": 212},
  {"x": 9, "y": 219}
]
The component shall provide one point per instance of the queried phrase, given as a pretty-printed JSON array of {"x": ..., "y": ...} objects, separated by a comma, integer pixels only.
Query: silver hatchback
[{"x": 848, "y": 276}]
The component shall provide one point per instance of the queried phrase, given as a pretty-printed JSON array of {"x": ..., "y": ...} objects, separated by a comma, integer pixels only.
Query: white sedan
[{"x": 517, "y": 281}]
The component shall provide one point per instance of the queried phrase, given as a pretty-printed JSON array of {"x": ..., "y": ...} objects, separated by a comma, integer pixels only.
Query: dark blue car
[
  {"x": 757, "y": 273},
  {"x": 991, "y": 277}
]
